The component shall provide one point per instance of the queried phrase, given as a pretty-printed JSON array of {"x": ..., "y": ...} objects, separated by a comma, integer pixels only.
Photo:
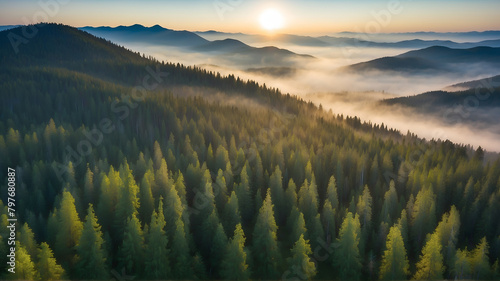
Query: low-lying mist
[{"x": 354, "y": 94}]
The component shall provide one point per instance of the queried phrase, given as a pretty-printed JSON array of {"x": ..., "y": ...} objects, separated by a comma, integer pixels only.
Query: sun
[{"x": 271, "y": 19}]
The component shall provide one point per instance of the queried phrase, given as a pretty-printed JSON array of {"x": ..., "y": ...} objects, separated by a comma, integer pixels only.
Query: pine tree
[
  {"x": 131, "y": 252},
  {"x": 91, "y": 256},
  {"x": 25, "y": 268},
  {"x": 395, "y": 264},
  {"x": 462, "y": 266},
  {"x": 157, "y": 155},
  {"x": 296, "y": 226},
  {"x": 180, "y": 253},
  {"x": 331, "y": 193},
  {"x": 390, "y": 207},
  {"x": 278, "y": 194},
  {"x": 328, "y": 221},
  {"x": 88, "y": 187},
  {"x": 244, "y": 197},
  {"x": 480, "y": 266},
  {"x": 157, "y": 263},
  {"x": 234, "y": 265},
  {"x": 423, "y": 216},
  {"x": 69, "y": 229},
  {"x": 364, "y": 207},
  {"x": 47, "y": 266},
  {"x": 220, "y": 191},
  {"x": 231, "y": 214},
  {"x": 106, "y": 208},
  {"x": 346, "y": 256},
  {"x": 430, "y": 266},
  {"x": 128, "y": 201},
  {"x": 146, "y": 198},
  {"x": 218, "y": 247},
  {"x": 181, "y": 189},
  {"x": 290, "y": 197},
  {"x": 265, "y": 246},
  {"x": 299, "y": 262},
  {"x": 173, "y": 208},
  {"x": 27, "y": 238}
]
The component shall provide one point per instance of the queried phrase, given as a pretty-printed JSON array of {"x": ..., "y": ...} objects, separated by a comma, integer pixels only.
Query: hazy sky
[{"x": 300, "y": 16}]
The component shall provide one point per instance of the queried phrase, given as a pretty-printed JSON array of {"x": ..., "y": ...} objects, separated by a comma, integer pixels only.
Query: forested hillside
[{"x": 117, "y": 175}]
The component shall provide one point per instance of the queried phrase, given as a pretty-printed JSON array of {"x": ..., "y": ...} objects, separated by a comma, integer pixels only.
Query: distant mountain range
[
  {"x": 352, "y": 40},
  {"x": 228, "y": 49},
  {"x": 431, "y": 60},
  {"x": 153, "y": 35}
]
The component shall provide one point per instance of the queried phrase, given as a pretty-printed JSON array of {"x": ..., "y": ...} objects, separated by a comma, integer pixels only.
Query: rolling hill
[
  {"x": 490, "y": 82},
  {"x": 433, "y": 60}
]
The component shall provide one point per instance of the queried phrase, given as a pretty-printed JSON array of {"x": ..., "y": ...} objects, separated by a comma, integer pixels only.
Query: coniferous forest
[{"x": 119, "y": 176}]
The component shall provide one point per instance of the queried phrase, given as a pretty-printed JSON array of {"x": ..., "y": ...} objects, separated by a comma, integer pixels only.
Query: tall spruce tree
[
  {"x": 131, "y": 252},
  {"x": 395, "y": 265},
  {"x": 157, "y": 261},
  {"x": 430, "y": 266},
  {"x": 47, "y": 266},
  {"x": 234, "y": 264},
  {"x": 91, "y": 256},
  {"x": 299, "y": 262},
  {"x": 265, "y": 246},
  {"x": 346, "y": 257}
]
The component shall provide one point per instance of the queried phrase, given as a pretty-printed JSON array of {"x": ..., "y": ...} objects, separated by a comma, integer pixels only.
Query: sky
[{"x": 313, "y": 17}]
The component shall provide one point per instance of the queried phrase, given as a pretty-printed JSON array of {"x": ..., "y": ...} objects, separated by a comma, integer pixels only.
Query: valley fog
[{"x": 322, "y": 81}]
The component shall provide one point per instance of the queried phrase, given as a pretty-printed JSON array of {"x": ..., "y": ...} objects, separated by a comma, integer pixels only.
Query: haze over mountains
[{"x": 348, "y": 74}]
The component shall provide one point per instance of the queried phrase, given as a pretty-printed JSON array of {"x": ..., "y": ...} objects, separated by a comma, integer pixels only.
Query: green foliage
[
  {"x": 231, "y": 214},
  {"x": 395, "y": 265},
  {"x": 25, "y": 268},
  {"x": 423, "y": 216},
  {"x": 479, "y": 260},
  {"x": 69, "y": 229},
  {"x": 180, "y": 253},
  {"x": 346, "y": 257},
  {"x": 299, "y": 262},
  {"x": 27, "y": 238},
  {"x": 219, "y": 244},
  {"x": 265, "y": 246},
  {"x": 430, "y": 266},
  {"x": 47, "y": 266},
  {"x": 234, "y": 264},
  {"x": 157, "y": 260},
  {"x": 131, "y": 252},
  {"x": 91, "y": 256}
]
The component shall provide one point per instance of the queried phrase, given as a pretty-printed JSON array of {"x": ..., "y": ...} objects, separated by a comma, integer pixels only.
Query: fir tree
[
  {"x": 265, "y": 246},
  {"x": 131, "y": 252},
  {"x": 91, "y": 256},
  {"x": 25, "y": 268},
  {"x": 395, "y": 265},
  {"x": 430, "y": 266},
  {"x": 346, "y": 256},
  {"x": 157, "y": 263},
  {"x": 299, "y": 262},
  {"x": 47, "y": 266},
  {"x": 234, "y": 264}
]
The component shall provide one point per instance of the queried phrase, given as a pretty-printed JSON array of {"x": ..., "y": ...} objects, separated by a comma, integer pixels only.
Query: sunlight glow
[{"x": 271, "y": 19}]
